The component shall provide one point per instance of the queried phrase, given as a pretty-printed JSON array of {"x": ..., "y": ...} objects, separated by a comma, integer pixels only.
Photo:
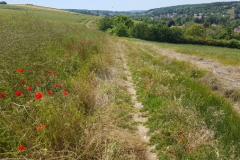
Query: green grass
[
  {"x": 80, "y": 120},
  {"x": 46, "y": 13},
  {"x": 226, "y": 56},
  {"x": 178, "y": 105}
]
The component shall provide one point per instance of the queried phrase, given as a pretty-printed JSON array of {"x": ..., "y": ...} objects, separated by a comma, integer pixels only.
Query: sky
[{"x": 112, "y": 5}]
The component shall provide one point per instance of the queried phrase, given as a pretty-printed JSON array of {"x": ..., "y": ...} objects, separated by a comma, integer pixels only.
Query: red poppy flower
[
  {"x": 18, "y": 93},
  {"x": 65, "y": 89},
  {"x": 145, "y": 87},
  {"x": 68, "y": 55},
  {"x": 20, "y": 70},
  {"x": 40, "y": 127},
  {"x": 38, "y": 95},
  {"x": 75, "y": 45},
  {"x": 29, "y": 88},
  {"x": 37, "y": 82},
  {"x": 23, "y": 82},
  {"x": 145, "y": 81},
  {"x": 3, "y": 95},
  {"x": 69, "y": 45},
  {"x": 46, "y": 126},
  {"x": 49, "y": 71},
  {"x": 54, "y": 73},
  {"x": 65, "y": 93},
  {"x": 56, "y": 85},
  {"x": 67, "y": 51},
  {"x": 50, "y": 92},
  {"x": 64, "y": 58},
  {"x": 150, "y": 81},
  {"x": 181, "y": 136},
  {"x": 21, "y": 148},
  {"x": 83, "y": 56},
  {"x": 75, "y": 49},
  {"x": 81, "y": 49},
  {"x": 190, "y": 149}
]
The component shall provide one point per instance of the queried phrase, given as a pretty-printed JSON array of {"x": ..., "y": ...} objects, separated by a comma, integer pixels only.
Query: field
[
  {"x": 46, "y": 13},
  {"x": 69, "y": 91}
]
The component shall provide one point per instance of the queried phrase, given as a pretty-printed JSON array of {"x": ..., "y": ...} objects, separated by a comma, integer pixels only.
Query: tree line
[{"x": 192, "y": 33}]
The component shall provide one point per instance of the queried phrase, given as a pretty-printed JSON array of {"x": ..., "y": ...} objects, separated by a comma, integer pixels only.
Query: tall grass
[
  {"x": 65, "y": 114},
  {"x": 187, "y": 120}
]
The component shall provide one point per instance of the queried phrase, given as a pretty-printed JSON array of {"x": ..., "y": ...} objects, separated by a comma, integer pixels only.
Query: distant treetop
[{"x": 3, "y": 2}]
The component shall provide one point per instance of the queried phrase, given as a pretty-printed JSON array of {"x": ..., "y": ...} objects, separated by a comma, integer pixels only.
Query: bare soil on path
[{"x": 142, "y": 130}]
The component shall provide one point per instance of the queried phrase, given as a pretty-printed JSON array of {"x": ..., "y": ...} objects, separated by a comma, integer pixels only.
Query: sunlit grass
[
  {"x": 187, "y": 120},
  {"x": 226, "y": 56},
  {"x": 46, "y": 13}
]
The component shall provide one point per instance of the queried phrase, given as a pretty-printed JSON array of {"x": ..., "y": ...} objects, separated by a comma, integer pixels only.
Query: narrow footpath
[{"x": 142, "y": 130}]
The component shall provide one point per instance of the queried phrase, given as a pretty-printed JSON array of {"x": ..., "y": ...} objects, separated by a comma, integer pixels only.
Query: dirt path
[
  {"x": 228, "y": 76},
  {"x": 142, "y": 130}
]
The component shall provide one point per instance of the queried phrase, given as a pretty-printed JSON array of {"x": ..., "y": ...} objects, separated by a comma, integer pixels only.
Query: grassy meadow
[
  {"x": 60, "y": 97},
  {"x": 187, "y": 120},
  {"x": 46, "y": 13},
  {"x": 226, "y": 56}
]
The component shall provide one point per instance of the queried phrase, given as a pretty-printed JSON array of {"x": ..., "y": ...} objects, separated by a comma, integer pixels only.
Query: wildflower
[
  {"x": 68, "y": 55},
  {"x": 50, "y": 92},
  {"x": 48, "y": 71},
  {"x": 46, "y": 126},
  {"x": 20, "y": 70},
  {"x": 3, "y": 95},
  {"x": 54, "y": 73},
  {"x": 29, "y": 88},
  {"x": 75, "y": 49},
  {"x": 56, "y": 85},
  {"x": 40, "y": 127},
  {"x": 190, "y": 149},
  {"x": 150, "y": 81},
  {"x": 69, "y": 45},
  {"x": 23, "y": 82},
  {"x": 145, "y": 87},
  {"x": 81, "y": 49},
  {"x": 145, "y": 81},
  {"x": 21, "y": 148},
  {"x": 181, "y": 136},
  {"x": 83, "y": 56},
  {"x": 37, "y": 82},
  {"x": 18, "y": 93},
  {"x": 45, "y": 74},
  {"x": 65, "y": 89},
  {"x": 65, "y": 93},
  {"x": 67, "y": 51},
  {"x": 64, "y": 58},
  {"x": 76, "y": 45},
  {"x": 38, "y": 95}
]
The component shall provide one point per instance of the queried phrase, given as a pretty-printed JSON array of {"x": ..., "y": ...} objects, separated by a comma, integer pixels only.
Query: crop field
[{"x": 46, "y": 13}]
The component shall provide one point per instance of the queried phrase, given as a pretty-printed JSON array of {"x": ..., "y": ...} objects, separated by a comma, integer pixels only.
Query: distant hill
[
  {"x": 207, "y": 9},
  {"x": 103, "y": 13}
]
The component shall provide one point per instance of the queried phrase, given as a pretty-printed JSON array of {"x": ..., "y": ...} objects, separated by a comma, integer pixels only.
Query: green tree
[
  {"x": 105, "y": 23},
  {"x": 196, "y": 30},
  {"x": 120, "y": 30},
  {"x": 123, "y": 19},
  {"x": 3, "y": 2},
  {"x": 140, "y": 30}
]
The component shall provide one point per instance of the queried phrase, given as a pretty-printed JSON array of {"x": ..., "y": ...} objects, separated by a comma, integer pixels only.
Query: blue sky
[{"x": 114, "y": 5}]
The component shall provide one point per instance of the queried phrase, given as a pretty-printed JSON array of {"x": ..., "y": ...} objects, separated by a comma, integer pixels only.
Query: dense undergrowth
[
  {"x": 186, "y": 119},
  {"x": 57, "y": 100}
]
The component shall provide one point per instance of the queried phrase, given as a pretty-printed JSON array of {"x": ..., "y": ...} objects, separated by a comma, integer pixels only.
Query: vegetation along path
[{"x": 222, "y": 78}]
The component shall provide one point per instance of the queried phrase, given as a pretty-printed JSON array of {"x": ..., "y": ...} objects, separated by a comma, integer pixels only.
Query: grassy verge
[
  {"x": 226, "y": 56},
  {"x": 57, "y": 95},
  {"x": 186, "y": 119}
]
